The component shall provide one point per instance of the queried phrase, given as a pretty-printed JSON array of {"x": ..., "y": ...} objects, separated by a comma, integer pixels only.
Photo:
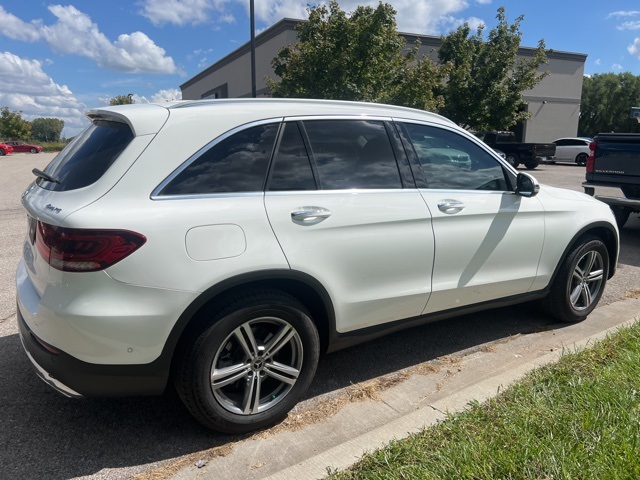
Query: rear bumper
[{"x": 75, "y": 378}]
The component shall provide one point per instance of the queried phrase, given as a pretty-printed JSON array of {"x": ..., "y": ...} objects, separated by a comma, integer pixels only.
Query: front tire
[
  {"x": 531, "y": 165},
  {"x": 249, "y": 364},
  {"x": 33, "y": 150},
  {"x": 580, "y": 281}
]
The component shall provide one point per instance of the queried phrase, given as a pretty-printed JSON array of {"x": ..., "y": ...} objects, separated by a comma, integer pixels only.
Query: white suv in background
[
  {"x": 222, "y": 246},
  {"x": 573, "y": 149}
]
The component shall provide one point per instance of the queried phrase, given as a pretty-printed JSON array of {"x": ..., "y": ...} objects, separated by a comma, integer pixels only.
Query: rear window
[{"x": 88, "y": 156}]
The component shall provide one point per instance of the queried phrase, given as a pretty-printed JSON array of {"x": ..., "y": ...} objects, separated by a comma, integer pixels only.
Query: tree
[
  {"x": 357, "y": 56},
  {"x": 606, "y": 101},
  {"x": 13, "y": 126},
  {"x": 485, "y": 81},
  {"x": 46, "y": 129},
  {"x": 121, "y": 100}
]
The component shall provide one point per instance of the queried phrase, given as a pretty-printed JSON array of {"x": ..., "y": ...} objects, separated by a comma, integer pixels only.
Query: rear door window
[
  {"x": 88, "y": 156},
  {"x": 352, "y": 154},
  {"x": 236, "y": 164}
]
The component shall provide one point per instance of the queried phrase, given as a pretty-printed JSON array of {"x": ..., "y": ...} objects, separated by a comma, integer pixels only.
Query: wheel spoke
[
  {"x": 282, "y": 372},
  {"x": 251, "y": 397},
  {"x": 586, "y": 296},
  {"x": 595, "y": 276},
  {"x": 591, "y": 260},
  {"x": 221, "y": 377},
  {"x": 279, "y": 340},
  {"x": 247, "y": 340},
  {"x": 575, "y": 294}
]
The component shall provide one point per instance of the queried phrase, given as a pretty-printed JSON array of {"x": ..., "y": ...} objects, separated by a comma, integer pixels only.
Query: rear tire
[
  {"x": 580, "y": 281},
  {"x": 2, "y": 153},
  {"x": 513, "y": 160},
  {"x": 581, "y": 159},
  {"x": 531, "y": 165},
  {"x": 247, "y": 365}
]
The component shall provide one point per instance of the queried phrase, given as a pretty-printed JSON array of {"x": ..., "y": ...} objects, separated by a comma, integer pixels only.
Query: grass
[
  {"x": 576, "y": 419},
  {"x": 53, "y": 146}
]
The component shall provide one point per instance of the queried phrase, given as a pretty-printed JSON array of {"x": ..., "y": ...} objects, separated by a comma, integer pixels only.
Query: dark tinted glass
[
  {"x": 352, "y": 154},
  {"x": 88, "y": 156},
  {"x": 291, "y": 167},
  {"x": 451, "y": 161},
  {"x": 236, "y": 164}
]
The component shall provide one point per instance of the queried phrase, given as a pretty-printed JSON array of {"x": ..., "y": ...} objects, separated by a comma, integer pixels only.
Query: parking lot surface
[{"x": 362, "y": 389}]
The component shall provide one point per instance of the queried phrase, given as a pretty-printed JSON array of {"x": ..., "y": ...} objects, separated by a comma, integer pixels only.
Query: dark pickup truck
[
  {"x": 615, "y": 162},
  {"x": 531, "y": 154}
]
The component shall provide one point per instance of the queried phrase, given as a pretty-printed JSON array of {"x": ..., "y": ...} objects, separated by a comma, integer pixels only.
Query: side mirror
[{"x": 527, "y": 185}]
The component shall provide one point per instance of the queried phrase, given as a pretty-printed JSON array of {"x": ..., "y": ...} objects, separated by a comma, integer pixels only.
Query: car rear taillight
[
  {"x": 592, "y": 157},
  {"x": 80, "y": 250}
]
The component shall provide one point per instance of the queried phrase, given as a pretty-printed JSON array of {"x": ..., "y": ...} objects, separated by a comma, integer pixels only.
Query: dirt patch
[
  {"x": 167, "y": 471},
  {"x": 633, "y": 293}
]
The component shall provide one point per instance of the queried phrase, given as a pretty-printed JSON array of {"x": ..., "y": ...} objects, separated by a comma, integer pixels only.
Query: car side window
[
  {"x": 236, "y": 164},
  {"x": 291, "y": 168},
  {"x": 352, "y": 154},
  {"x": 451, "y": 161}
]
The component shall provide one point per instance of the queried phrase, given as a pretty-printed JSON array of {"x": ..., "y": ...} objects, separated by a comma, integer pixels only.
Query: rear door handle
[
  {"x": 450, "y": 206},
  {"x": 309, "y": 215}
]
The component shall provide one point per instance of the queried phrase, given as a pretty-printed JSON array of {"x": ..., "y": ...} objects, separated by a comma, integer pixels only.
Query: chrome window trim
[
  {"x": 155, "y": 194},
  {"x": 199, "y": 196}
]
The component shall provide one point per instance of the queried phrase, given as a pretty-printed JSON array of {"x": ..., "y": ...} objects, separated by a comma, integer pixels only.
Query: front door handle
[
  {"x": 450, "y": 206},
  {"x": 309, "y": 215}
]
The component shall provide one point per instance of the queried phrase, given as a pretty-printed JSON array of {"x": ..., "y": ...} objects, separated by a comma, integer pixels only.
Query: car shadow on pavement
[{"x": 46, "y": 435}]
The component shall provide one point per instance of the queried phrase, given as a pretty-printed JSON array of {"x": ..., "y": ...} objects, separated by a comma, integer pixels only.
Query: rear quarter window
[{"x": 86, "y": 159}]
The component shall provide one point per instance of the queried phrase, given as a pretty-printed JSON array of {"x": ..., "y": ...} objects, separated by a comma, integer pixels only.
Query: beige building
[{"x": 554, "y": 103}]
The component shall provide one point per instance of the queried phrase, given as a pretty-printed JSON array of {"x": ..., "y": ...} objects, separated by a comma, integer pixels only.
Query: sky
[{"x": 60, "y": 59}]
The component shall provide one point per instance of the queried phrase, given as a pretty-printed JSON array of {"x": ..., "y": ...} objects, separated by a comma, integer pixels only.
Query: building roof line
[{"x": 290, "y": 23}]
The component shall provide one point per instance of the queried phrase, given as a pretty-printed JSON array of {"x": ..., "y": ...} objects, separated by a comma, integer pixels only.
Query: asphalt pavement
[{"x": 361, "y": 397}]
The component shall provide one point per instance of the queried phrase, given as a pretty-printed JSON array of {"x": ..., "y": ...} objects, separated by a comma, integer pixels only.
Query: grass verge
[{"x": 578, "y": 418}]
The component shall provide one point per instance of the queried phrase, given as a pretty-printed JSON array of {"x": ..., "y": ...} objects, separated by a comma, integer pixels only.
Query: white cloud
[
  {"x": 75, "y": 34},
  {"x": 162, "y": 96},
  {"x": 597, "y": 62},
  {"x": 483, "y": 2},
  {"x": 623, "y": 13},
  {"x": 25, "y": 87},
  {"x": 629, "y": 26},
  {"x": 616, "y": 66},
  {"x": 16, "y": 29},
  {"x": 414, "y": 16},
  {"x": 177, "y": 12},
  {"x": 634, "y": 48}
]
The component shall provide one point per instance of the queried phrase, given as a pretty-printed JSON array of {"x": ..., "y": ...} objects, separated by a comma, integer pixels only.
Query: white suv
[{"x": 221, "y": 246}]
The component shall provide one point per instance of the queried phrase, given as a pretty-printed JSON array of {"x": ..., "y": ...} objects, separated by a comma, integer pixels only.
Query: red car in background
[
  {"x": 5, "y": 149},
  {"x": 24, "y": 147}
]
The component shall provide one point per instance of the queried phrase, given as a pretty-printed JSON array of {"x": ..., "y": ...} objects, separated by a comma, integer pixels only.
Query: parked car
[
  {"x": 19, "y": 146},
  {"x": 5, "y": 149},
  {"x": 530, "y": 154},
  {"x": 222, "y": 246},
  {"x": 573, "y": 149}
]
